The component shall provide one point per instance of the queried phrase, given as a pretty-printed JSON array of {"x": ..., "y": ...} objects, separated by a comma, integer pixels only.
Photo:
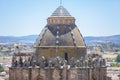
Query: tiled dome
[
  {"x": 60, "y": 31},
  {"x": 61, "y": 11}
]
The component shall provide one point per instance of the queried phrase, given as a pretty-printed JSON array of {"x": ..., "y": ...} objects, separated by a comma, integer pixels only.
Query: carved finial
[{"x": 60, "y": 2}]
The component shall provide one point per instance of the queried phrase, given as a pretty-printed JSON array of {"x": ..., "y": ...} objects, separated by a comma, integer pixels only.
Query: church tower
[
  {"x": 60, "y": 37},
  {"x": 60, "y": 54}
]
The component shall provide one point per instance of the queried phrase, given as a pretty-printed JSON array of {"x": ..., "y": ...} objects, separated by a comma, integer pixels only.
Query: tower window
[{"x": 66, "y": 57}]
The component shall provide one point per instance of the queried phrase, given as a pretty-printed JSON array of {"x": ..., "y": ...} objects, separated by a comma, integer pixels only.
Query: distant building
[{"x": 60, "y": 54}]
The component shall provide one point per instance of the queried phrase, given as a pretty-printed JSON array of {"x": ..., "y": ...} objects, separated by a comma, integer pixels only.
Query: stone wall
[
  {"x": 53, "y": 51},
  {"x": 57, "y": 73}
]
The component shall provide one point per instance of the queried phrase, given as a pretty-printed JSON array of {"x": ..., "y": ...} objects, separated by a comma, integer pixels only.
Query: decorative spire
[
  {"x": 61, "y": 11},
  {"x": 60, "y": 2}
]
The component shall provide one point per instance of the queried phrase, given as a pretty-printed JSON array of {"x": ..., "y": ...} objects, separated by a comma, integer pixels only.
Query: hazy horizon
[
  {"x": 38, "y": 34},
  {"x": 28, "y": 17}
]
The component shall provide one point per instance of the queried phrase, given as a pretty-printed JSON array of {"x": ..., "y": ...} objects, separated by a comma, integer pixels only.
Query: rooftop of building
[{"x": 60, "y": 12}]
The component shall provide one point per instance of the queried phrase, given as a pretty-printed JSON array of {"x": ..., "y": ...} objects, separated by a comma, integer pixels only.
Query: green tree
[
  {"x": 115, "y": 64},
  {"x": 1, "y": 68},
  {"x": 118, "y": 58}
]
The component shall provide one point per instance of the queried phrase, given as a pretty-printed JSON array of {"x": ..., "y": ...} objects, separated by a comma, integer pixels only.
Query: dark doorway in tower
[{"x": 66, "y": 56}]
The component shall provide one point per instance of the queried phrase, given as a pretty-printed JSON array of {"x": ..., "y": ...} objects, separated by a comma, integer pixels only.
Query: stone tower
[
  {"x": 60, "y": 37},
  {"x": 60, "y": 54}
]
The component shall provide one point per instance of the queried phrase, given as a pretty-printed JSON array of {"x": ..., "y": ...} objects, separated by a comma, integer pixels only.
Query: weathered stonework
[
  {"x": 60, "y": 54},
  {"x": 51, "y": 51},
  {"x": 58, "y": 74}
]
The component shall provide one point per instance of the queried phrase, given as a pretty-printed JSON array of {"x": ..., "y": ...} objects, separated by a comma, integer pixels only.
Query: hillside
[
  {"x": 30, "y": 39},
  {"x": 106, "y": 43},
  {"x": 88, "y": 39},
  {"x": 104, "y": 39}
]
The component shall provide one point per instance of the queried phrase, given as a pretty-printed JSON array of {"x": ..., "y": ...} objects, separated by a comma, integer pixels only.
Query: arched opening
[
  {"x": 66, "y": 56},
  {"x": 40, "y": 79}
]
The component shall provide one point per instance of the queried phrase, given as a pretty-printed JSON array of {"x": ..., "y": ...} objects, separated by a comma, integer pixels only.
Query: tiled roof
[{"x": 60, "y": 11}]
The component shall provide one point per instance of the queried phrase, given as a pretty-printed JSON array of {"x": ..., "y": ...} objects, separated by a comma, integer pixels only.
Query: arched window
[{"x": 66, "y": 56}]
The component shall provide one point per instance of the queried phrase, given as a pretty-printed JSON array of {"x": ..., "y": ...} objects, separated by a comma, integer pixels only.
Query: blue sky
[{"x": 27, "y": 17}]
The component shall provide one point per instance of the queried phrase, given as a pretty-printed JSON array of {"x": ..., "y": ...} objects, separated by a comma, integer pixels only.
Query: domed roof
[
  {"x": 60, "y": 31},
  {"x": 60, "y": 35},
  {"x": 60, "y": 11}
]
